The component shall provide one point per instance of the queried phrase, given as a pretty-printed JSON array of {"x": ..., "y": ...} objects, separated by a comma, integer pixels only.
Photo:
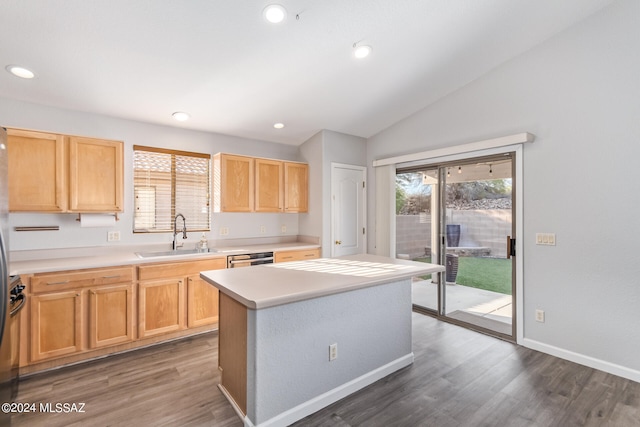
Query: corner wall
[{"x": 320, "y": 151}]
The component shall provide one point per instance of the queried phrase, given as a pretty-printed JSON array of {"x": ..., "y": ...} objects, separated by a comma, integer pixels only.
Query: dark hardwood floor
[{"x": 459, "y": 378}]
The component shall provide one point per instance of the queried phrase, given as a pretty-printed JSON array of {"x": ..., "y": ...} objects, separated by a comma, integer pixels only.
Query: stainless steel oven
[
  {"x": 247, "y": 260},
  {"x": 17, "y": 300}
]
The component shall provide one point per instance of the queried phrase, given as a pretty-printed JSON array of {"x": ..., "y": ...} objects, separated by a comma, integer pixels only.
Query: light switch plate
[{"x": 548, "y": 239}]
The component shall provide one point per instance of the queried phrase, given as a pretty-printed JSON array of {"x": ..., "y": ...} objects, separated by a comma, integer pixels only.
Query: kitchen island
[{"x": 295, "y": 337}]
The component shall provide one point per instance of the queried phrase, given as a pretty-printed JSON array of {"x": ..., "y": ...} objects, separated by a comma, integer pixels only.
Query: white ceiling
[{"x": 237, "y": 74}]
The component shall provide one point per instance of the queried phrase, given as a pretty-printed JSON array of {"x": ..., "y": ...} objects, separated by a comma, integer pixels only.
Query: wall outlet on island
[
  {"x": 283, "y": 229},
  {"x": 333, "y": 352},
  {"x": 113, "y": 236},
  {"x": 539, "y": 315},
  {"x": 263, "y": 229},
  {"x": 224, "y": 231}
]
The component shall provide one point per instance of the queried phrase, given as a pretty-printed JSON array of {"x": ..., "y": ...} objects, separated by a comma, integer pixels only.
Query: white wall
[
  {"x": 287, "y": 348},
  {"x": 320, "y": 151},
  {"x": 310, "y": 224},
  {"x": 579, "y": 93},
  {"x": 36, "y": 117}
]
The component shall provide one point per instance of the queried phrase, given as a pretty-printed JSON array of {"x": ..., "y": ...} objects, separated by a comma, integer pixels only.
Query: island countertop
[{"x": 270, "y": 285}]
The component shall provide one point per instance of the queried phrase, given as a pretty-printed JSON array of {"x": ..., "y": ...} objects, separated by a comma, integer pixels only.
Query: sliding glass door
[
  {"x": 460, "y": 215},
  {"x": 417, "y": 230}
]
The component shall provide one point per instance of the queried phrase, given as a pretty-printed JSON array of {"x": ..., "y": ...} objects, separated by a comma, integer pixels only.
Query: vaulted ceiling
[{"x": 237, "y": 74}]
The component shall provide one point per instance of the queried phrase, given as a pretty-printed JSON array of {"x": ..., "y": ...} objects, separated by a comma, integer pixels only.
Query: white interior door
[{"x": 348, "y": 229}]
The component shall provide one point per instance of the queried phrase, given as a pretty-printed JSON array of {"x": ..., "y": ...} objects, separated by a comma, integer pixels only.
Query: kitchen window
[{"x": 169, "y": 182}]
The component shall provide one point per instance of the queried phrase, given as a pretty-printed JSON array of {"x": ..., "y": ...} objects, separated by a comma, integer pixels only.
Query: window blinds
[{"x": 166, "y": 183}]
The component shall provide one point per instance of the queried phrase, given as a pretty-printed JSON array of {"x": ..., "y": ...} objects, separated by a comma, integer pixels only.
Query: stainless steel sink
[{"x": 168, "y": 253}]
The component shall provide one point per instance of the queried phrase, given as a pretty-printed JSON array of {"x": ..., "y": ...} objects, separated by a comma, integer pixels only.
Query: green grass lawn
[{"x": 492, "y": 274}]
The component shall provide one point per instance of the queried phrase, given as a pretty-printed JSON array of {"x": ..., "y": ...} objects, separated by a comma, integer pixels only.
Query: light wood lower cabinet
[
  {"x": 300, "y": 255},
  {"x": 202, "y": 302},
  {"x": 161, "y": 307},
  {"x": 56, "y": 324},
  {"x": 172, "y": 296},
  {"x": 79, "y": 310},
  {"x": 110, "y": 315}
]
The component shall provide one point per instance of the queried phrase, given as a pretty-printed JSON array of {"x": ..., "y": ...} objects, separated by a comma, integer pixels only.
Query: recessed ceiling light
[
  {"x": 181, "y": 116},
  {"x": 362, "y": 51},
  {"x": 274, "y": 13},
  {"x": 278, "y": 125},
  {"x": 20, "y": 71}
]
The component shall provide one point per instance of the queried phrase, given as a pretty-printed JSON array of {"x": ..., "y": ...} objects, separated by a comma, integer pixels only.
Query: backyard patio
[{"x": 478, "y": 306}]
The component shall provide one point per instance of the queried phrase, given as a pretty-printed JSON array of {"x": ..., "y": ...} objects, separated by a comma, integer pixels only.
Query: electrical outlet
[
  {"x": 113, "y": 236},
  {"x": 283, "y": 229},
  {"x": 224, "y": 231},
  {"x": 333, "y": 352},
  {"x": 539, "y": 315},
  {"x": 263, "y": 229}
]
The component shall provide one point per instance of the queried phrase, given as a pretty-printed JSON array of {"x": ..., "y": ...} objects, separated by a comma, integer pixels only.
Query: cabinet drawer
[
  {"x": 297, "y": 255},
  {"x": 73, "y": 279},
  {"x": 179, "y": 269}
]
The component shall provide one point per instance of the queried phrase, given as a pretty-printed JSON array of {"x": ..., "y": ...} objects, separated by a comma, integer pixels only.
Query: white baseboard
[
  {"x": 612, "y": 368},
  {"x": 309, "y": 407}
]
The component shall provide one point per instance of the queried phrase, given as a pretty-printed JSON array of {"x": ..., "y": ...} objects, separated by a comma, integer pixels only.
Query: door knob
[{"x": 338, "y": 242}]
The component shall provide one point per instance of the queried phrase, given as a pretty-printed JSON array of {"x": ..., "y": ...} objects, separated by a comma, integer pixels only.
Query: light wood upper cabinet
[
  {"x": 57, "y": 173},
  {"x": 37, "y": 177},
  {"x": 233, "y": 183},
  {"x": 296, "y": 187},
  {"x": 95, "y": 175},
  {"x": 269, "y": 191},
  {"x": 245, "y": 184}
]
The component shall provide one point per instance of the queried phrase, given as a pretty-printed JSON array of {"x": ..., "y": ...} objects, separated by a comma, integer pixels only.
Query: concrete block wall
[
  {"x": 484, "y": 228},
  {"x": 413, "y": 235}
]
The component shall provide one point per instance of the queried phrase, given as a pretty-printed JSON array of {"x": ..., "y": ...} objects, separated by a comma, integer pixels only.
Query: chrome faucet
[{"x": 175, "y": 230}]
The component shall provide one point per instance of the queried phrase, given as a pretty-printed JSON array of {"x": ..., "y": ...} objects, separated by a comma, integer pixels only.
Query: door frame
[
  {"x": 518, "y": 199},
  {"x": 363, "y": 170}
]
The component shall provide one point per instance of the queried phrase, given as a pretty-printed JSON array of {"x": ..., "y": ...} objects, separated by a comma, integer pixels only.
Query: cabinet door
[
  {"x": 110, "y": 315},
  {"x": 95, "y": 175},
  {"x": 56, "y": 324},
  {"x": 161, "y": 307},
  {"x": 236, "y": 183},
  {"x": 36, "y": 171},
  {"x": 269, "y": 185},
  {"x": 202, "y": 302},
  {"x": 296, "y": 187}
]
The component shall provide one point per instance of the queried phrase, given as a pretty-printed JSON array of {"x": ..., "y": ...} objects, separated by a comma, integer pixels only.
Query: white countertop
[
  {"x": 51, "y": 260},
  {"x": 270, "y": 285}
]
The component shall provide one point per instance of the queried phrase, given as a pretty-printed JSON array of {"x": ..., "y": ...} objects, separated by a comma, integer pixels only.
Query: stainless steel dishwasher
[{"x": 247, "y": 260}]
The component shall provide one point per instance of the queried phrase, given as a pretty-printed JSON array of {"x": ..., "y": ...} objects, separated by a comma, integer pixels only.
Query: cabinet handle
[
  {"x": 64, "y": 282},
  {"x": 338, "y": 242},
  {"x": 77, "y": 295},
  {"x": 111, "y": 277},
  {"x": 309, "y": 255}
]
